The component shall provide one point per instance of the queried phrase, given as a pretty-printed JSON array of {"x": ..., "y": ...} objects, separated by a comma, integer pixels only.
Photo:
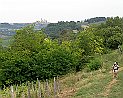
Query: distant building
[
  {"x": 75, "y": 31},
  {"x": 84, "y": 26}
]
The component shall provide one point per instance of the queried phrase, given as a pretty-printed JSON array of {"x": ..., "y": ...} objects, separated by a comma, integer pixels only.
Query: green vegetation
[
  {"x": 100, "y": 83},
  {"x": 116, "y": 90},
  {"x": 92, "y": 84},
  {"x": 32, "y": 54},
  {"x": 94, "y": 64},
  {"x": 54, "y": 30},
  {"x": 95, "y": 20}
]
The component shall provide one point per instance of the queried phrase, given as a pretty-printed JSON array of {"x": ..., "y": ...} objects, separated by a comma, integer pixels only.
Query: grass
[
  {"x": 95, "y": 84},
  {"x": 85, "y": 85},
  {"x": 116, "y": 91}
]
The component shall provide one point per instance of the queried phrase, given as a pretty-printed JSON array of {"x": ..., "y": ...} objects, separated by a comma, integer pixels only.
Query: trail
[
  {"x": 67, "y": 93},
  {"x": 110, "y": 85}
]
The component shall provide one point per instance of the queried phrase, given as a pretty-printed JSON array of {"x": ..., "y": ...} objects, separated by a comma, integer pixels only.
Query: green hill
[
  {"x": 33, "y": 56},
  {"x": 84, "y": 84},
  {"x": 96, "y": 84}
]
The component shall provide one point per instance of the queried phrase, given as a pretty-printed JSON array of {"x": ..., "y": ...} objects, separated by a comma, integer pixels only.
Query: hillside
[
  {"x": 84, "y": 84},
  {"x": 8, "y": 29},
  {"x": 96, "y": 84},
  {"x": 93, "y": 85},
  {"x": 82, "y": 62}
]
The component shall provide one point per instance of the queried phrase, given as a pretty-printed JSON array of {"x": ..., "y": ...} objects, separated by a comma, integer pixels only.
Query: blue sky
[{"x": 58, "y": 10}]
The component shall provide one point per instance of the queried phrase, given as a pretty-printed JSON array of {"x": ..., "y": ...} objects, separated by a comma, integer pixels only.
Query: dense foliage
[
  {"x": 55, "y": 29},
  {"x": 32, "y": 54},
  {"x": 94, "y": 64},
  {"x": 94, "y": 20},
  {"x": 111, "y": 32}
]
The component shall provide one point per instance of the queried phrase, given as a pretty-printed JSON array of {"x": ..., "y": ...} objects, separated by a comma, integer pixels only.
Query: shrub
[{"x": 94, "y": 64}]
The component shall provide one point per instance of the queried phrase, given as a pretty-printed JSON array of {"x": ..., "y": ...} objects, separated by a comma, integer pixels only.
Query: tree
[
  {"x": 111, "y": 32},
  {"x": 89, "y": 42},
  {"x": 31, "y": 55},
  {"x": 18, "y": 59},
  {"x": 86, "y": 45}
]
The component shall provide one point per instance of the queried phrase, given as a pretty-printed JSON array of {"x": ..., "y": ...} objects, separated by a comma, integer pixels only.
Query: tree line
[{"x": 32, "y": 54}]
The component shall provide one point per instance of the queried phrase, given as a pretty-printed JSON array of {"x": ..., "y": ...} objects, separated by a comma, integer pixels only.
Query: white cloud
[{"x": 57, "y": 10}]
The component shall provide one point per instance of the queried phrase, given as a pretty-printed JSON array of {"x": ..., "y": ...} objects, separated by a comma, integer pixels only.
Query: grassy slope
[
  {"x": 117, "y": 90},
  {"x": 97, "y": 84}
]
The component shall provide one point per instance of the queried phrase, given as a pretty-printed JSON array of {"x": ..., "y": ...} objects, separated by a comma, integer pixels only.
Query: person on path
[{"x": 115, "y": 68}]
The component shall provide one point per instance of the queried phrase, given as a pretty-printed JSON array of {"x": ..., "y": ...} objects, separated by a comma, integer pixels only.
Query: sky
[{"x": 27, "y": 11}]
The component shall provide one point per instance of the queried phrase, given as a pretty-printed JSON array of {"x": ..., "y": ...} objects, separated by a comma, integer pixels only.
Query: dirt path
[
  {"x": 110, "y": 85},
  {"x": 67, "y": 93}
]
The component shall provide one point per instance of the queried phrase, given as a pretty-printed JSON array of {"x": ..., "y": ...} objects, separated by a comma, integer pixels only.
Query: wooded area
[{"x": 32, "y": 54}]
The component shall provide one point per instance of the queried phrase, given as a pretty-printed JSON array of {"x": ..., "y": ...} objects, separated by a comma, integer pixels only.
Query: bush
[{"x": 94, "y": 64}]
